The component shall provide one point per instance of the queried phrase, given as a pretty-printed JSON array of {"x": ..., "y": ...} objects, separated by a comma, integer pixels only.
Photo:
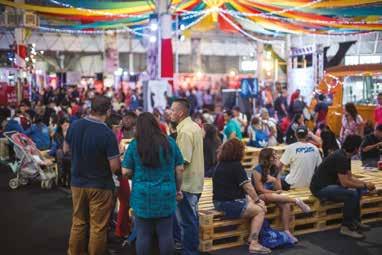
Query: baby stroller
[{"x": 29, "y": 164}]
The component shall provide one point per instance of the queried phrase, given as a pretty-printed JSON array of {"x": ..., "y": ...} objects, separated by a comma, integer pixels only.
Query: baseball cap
[{"x": 302, "y": 130}]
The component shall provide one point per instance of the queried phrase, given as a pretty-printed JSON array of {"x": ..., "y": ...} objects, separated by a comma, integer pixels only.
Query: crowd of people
[{"x": 174, "y": 149}]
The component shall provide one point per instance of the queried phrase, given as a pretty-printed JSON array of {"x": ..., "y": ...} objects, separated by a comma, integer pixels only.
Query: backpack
[{"x": 272, "y": 238}]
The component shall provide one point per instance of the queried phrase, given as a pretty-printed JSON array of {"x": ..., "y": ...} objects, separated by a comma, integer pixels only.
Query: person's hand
[
  {"x": 124, "y": 172},
  {"x": 370, "y": 186},
  {"x": 179, "y": 195},
  {"x": 271, "y": 179},
  {"x": 262, "y": 205},
  {"x": 379, "y": 145},
  {"x": 278, "y": 191}
]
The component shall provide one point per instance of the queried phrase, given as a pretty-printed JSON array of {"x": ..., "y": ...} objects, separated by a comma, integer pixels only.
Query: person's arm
[
  {"x": 128, "y": 163},
  {"x": 184, "y": 142},
  {"x": 232, "y": 135},
  {"x": 316, "y": 139},
  {"x": 250, "y": 191},
  {"x": 112, "y": 152},
  {"x": 347, "y": 181},
  {"x": 371, "y": 147},
  {"x": 259, "y": 186}
]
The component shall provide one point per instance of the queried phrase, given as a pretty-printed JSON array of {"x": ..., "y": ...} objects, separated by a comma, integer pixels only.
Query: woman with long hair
[
  {"x": 352, "y": 122},
  {"x": 267, "y": 182},
  {"x": 234, "y": 195},
  {"x": 155, "y": 164},
  {"x": 211, "y": 143},
  {"x": 298, "y": 120}
]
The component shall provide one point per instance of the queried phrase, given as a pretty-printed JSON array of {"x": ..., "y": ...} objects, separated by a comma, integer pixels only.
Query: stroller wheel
[
  {"x": 49, "y": 184},
  {"x": 14, "y": 183},
  {"x": 23, "y": 181}
]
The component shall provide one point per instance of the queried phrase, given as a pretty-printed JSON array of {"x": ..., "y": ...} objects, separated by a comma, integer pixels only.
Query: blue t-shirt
[
  {"x": 267, "y": 185},
  {"x": 154, "y": 190},
  {"x": 92, "y": 145},
  {"x": 40, "y": 136},
  {"x": 13, "y": 125}
]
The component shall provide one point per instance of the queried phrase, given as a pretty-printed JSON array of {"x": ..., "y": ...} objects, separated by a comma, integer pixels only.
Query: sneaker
[
  {"x": 304, "y": 207},
  {"x": 346, "y": 231},
  {"x": 361, "y": 227},
  {"x": 178, "y": 246}
]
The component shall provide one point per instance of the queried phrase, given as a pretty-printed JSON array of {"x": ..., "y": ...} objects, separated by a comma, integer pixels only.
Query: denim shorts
[{"x": 232, "y": 209}]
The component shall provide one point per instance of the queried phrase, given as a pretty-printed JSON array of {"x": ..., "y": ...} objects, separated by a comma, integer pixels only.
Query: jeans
[
  {"x": 351, "y": 199},
  {"x": 188, "y": 217},
  {"x": 146, "y": 228},
  {"x": 91, "y": 212}
]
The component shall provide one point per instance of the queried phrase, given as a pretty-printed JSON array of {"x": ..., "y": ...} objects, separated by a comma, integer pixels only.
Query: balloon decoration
[{"x": 252, "y": 18}]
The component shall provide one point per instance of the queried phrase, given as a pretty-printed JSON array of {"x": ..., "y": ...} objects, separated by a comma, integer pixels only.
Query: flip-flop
[{"x": 260, "y": 250}]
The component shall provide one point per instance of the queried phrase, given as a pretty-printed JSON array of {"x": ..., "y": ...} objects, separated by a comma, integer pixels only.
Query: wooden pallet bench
[{"x": 217, "y": 232}]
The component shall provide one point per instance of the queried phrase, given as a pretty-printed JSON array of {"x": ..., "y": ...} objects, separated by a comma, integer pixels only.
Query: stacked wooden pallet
[
  {"x": 216, "y": 232},
  {"x": 251, "y": 155}
]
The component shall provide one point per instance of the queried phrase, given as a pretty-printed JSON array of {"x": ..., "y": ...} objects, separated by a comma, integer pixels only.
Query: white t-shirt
[{"x": 303, "y": 159}]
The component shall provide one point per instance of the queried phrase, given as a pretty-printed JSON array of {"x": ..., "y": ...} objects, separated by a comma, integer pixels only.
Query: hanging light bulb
[
  {"x": 154, "y": 26},
  {"x": 153, "y": 39}
]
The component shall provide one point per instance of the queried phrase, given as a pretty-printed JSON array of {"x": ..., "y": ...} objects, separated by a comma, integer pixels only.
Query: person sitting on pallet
[
  {"x": 371, "y": 148},
  {"x": 234, "y": 195},
  {"x": 266, "y": 180},
  {"x": 302, "y": 157},
  {"x": 333, "y": 181}
]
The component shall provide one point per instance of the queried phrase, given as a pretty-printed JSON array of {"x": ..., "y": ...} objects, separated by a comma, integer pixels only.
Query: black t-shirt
[
  {"x": 327, "y": 172},
  {"x": 278, "y": 105},
  {"x": 373, "y": 154},
  {"x": 228, "y": 181},
  {"x": 92, "y": 145}
]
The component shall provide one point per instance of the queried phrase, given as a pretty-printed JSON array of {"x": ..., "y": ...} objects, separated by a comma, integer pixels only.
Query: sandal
[{"x": 260, "y": 250}]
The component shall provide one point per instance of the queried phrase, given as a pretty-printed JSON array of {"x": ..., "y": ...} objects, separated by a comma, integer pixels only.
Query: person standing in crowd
[
  {"x": 39, "y": 133},
  {"x": 95, "y": 156},
  {"x": 266, "y": 180},
  {"x": 190, "y": 141},
  {"x": 371, "y": 147},
  {"x": 155, "y": 164},
  {"x": 352, "y": 122},
  {"x": 303, "y": 158},
  {"x": 234, "y": 195},
  {"x": 241, "y": 118},
  {"x": 219, "y": 117},
  {"x": 127, "y": 130},
  {"x": 281, "y": 105},
  {"x": 378, "y": 110},
  {"x": 290, "y": 136},
  {"x": 232, "y": 127},
  {"x": 208, "y": 99},
  {"x": 320, "y": 110},
  {"x": 333, "y": 181},
  {"x": 293, "y": 98},
  {"x": 211, "y": 143}
]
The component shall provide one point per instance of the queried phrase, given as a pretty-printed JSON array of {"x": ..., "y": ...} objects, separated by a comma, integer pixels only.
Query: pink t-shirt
[{"x": 378, "y": 115}]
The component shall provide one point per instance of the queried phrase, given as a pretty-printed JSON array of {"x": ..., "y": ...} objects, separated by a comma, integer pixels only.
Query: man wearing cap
[
  {"x": 371, "y": 147},
  {"x": 302, "y": 158}
]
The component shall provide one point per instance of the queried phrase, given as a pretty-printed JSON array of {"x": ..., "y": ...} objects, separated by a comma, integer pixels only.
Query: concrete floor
[{"x": 36, "y": 221}]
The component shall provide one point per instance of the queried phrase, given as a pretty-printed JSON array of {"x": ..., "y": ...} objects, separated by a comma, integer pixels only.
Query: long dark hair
[
  {"x": 59, "y": 134},
  {"x": 350, "y": 108},
  {"x": 150, "y": 141},
  {"x": 212, "y": 134},
  {"x": 265, "y": 161}
]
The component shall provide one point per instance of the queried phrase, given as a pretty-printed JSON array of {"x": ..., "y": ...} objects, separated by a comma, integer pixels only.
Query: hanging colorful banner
[{"x": 111, "y": 57}]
